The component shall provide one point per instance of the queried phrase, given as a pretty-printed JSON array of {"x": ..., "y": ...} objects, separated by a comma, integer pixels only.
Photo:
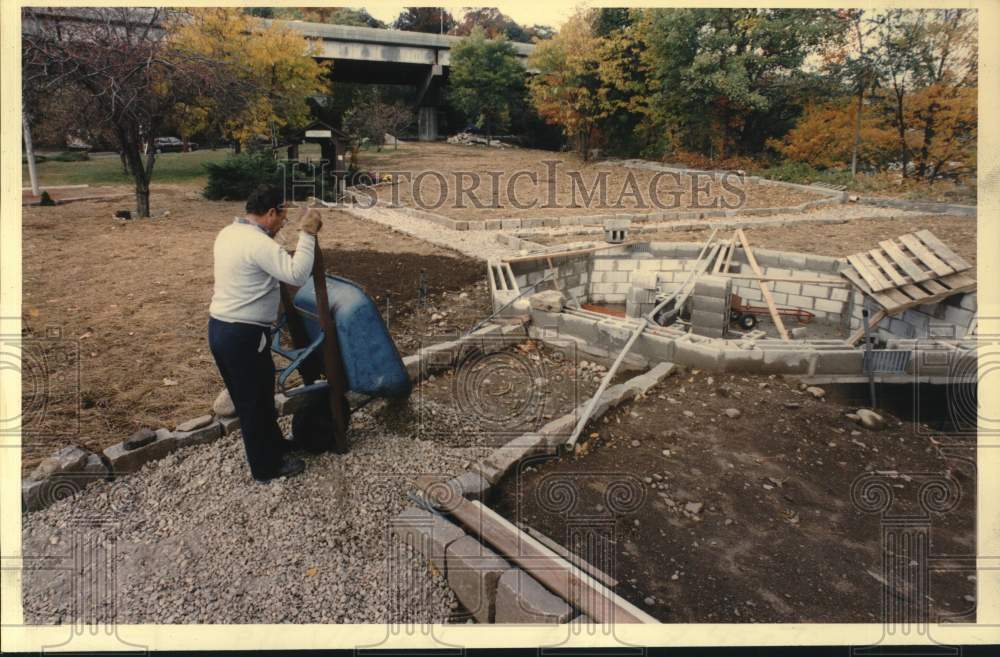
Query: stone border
[
  {"x": 921, "y": 206},
  {"x": 490, "y": 587},
  {"x": 72, "y": 468}
]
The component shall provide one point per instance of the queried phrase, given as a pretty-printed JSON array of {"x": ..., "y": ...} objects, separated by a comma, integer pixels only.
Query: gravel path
[
  {"x": 837, "y": 212},
  {"x": 196, "y": 541},
  {"x": 480, "y": 244}
]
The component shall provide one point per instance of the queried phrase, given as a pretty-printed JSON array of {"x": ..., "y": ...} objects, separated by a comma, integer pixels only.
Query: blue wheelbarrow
[{"x": 361, "y": 356}]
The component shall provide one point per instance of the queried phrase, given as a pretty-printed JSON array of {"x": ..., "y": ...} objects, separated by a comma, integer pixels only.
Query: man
[{"x": 248, "y": 267}]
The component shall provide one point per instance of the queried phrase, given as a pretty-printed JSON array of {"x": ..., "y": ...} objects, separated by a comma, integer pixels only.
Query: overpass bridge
[
  {"x": 359, "y": 54},
  {"x": 378, "y": 56}
]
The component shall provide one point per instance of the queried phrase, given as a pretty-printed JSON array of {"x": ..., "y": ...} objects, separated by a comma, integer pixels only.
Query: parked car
[{"x": 173, "y": 145}]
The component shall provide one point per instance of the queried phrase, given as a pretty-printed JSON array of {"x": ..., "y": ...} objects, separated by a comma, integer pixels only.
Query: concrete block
[
  {"x": 716, "y": 305},
  {"x": 821, "y": 263},
  {"x": 968, "y": 301},
  {"x": 711, "y": 320},
  {"x": 626, "y": 265},
  {"x": 500, "y": 462},
  {"x": 816, "y": 291},
  {"x": 549, "y": 301},
  {"x": 781, "y": 361},
  {"x": 825, "y": 305},
  {"x": 616, "y": 277},
  {"x": 958, "y": 316},
  {"x": 750, "y": 294},
  {"x": 510, "y": 224},
  {"x": 780, "y": 298},
  {"x": 427, "y": 533},
  {"x": 200, "y": 436},
  {"x": 697, "y": 355},
  {"x": 839, "y": 362},
  {"x": 713, "y": 286},
  {"x": 521, "y": 599},
  {"x": 73, "y": 476},
  {"x": 838, "y": 294},
  {"x": 66, "y": 460},
  {"x": 473, "y": 574},
  {"x": 787, "y": 287},
  {"x": 604, "y": 264},
  {"x": 125, "y": 462}
]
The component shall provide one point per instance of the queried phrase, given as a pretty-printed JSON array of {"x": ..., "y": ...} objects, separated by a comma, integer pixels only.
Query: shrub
[{"x": 235, "y": 177}]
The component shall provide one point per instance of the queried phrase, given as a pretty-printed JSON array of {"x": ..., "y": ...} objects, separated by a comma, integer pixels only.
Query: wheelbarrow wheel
[
  {"x": 748, "y": 322},
  {"x": 734, "y": 315}
]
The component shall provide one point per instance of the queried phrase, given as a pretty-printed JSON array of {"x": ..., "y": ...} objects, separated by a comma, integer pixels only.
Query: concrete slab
[
  {"x": 427, "y": 533},
  {"x": 473, "y": 572},
  {"x": 521, "y": 599}
]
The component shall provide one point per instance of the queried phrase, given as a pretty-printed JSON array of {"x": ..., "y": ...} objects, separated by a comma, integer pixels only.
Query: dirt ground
[
  {"x": 837, "y": 240},
  {"x": 498, "y": 197},
  {"x": 130, "y": 299},
  {"x": 749, "y": 519}
]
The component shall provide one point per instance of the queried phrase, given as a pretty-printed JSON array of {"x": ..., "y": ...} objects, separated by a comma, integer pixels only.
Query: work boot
[{"x": 290, "y": 466}]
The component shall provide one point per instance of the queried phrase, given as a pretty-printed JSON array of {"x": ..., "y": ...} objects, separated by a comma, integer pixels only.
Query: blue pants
[{"x": 248, "y": 371}]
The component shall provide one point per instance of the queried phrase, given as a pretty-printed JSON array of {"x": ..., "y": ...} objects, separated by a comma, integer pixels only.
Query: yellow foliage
[
  {"x": 824, "y": 136},
  {"x": 275, "y": 62}
]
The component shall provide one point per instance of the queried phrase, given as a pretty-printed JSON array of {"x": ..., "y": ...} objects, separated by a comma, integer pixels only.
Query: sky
[{"x": 543, "y": 13}]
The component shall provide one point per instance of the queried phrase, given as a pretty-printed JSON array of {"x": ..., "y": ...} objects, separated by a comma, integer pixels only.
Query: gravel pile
[
  {"x": 480, "y": 244},
  {"x": 192, "y": 539}
]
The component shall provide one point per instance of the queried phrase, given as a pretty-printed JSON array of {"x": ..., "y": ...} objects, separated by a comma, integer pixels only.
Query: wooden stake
[
  {"x": 332, "y": 363},
  {"x": 764, "y": 289}
]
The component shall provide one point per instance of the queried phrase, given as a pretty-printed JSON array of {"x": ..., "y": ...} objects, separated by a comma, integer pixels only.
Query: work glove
[{"x": 311, "y": 223}]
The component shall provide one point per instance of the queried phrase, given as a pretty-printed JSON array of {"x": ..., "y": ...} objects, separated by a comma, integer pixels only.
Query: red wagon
[{"x": 746, "y": 315}]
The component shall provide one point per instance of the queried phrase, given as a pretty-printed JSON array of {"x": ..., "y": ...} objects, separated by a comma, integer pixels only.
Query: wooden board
[
  {"x": 887, "y": 267},
  {"x": 765, "y": 290},
  {"x": 918, "y": 249},
  {"x": 869, "y": 271},
  {"x": 941, "y": 249},
  {"x": 909, "y": 267}
]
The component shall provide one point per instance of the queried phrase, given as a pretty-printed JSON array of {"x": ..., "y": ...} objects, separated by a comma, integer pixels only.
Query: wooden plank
[
  {"x": 887, "y": 299},
  {"x": 829, "y": 280},
  {"x": 957, "y": 262},
  {"x": 918, "y": 249},
  {"x": 764, "y": 289},
  {"x": 869, "y": 271},
  {"x": 933, "y": 287},
  {"x": 887, "y": 267},
  {"x": 555, "y": 573},
  {"x": 958, "y": 282},
  {"x": 911, "y": 268},
  {"x": 872, "y": 323},
  {"x": 570, "y": 556}
]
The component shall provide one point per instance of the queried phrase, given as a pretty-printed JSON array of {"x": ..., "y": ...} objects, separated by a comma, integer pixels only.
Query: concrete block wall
[
  {"x": 948, "y": 319},
  {"x": 571, "y": 275},
  {"x": 614, "y": 273}
]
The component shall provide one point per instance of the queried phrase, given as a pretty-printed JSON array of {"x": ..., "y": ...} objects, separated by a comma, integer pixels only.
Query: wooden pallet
[{"x": 912, "y": 270}]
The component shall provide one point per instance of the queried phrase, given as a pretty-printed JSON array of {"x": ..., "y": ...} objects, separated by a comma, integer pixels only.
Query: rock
[
  {"x": 223, "y": 404},
  {"x": 870, "y": 419},
  {"x": 196, "y": 423},
  {"x": 68, "y": 459},
  {"x": 636, "y": 443},
  {"x": 732, "y": 413},
  {"x": 550, "y": 301},
  {"x": 140, "y": 438},
  {"x": 854, "y": 417},
  {"x": 816, "y": 392},
  {"x": 792, "y": 405},
  {"x": 724, "y": 391},
  {"x": 693, "y": 507},
  {"x": 688, "y": 414},
  {"x": 649, "y": 601}
]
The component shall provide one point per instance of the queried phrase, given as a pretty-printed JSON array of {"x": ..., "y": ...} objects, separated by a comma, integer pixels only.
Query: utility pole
[
  {"x": 441, "y": 18},
  {"x": 30, "y": 153}
]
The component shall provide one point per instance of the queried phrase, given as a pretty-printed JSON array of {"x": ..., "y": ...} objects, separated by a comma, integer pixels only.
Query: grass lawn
[{"x": 107, "y": 170}]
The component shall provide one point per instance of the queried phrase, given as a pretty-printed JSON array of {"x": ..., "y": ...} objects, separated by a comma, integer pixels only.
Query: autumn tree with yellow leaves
[{"x": 273, "y": 61}]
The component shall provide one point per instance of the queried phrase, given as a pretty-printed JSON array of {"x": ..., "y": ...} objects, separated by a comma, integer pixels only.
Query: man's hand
[{"x": 311, "y": 223}]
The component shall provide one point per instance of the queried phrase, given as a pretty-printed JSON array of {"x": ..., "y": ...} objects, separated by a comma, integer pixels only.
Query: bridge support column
[{"x": 427, "y": 124}]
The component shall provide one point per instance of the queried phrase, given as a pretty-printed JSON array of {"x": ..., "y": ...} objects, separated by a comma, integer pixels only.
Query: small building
[{"x": 334, "y": 145}]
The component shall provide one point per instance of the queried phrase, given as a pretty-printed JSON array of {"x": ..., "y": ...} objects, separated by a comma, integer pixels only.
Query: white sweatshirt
[{"x": 248, "y": 266}]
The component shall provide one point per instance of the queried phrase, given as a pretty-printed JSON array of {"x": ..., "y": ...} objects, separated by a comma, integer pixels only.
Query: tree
[
  {"x": 433, "y": 20},
  {"x": 328, "y": 15},
  {"x": 121, "y": 59},
  {"x": 824, "y": 137},
  {"x": 486, "y": 80},
  {"x": 495, "y": 24},
  {"x": 567, "y": 91},
  {"x": 721, "y": 77},
  {"x": 371, "y": 117},
  {"x": 274, "y": 62}
]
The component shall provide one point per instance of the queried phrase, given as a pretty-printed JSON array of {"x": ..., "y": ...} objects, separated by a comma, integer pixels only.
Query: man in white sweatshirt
[{"x": 248, "y": 267}]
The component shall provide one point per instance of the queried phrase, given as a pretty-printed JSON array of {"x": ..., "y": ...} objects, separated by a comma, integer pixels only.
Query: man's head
[{"x": 266, "y": 206}]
